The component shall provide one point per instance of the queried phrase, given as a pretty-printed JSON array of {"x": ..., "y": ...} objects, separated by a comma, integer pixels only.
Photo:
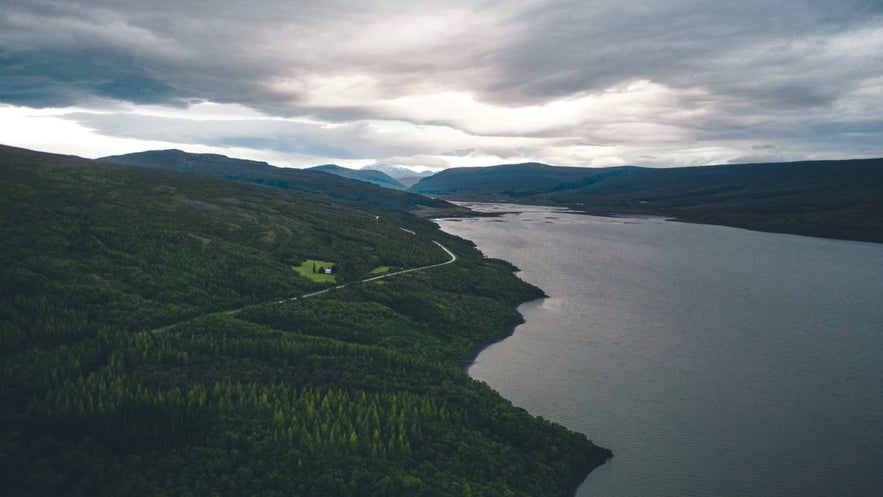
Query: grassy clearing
[
  {"x": 380, "y": 270},
  {"x": 310, "y": 269}
]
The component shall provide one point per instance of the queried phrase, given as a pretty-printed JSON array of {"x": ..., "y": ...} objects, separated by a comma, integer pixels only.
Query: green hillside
[
  {"x": 505, "y": 181},
  {"x": 123, "y": 373},
  {"x": 331, "y": 187},
  {"x": 834, "y": 199}
]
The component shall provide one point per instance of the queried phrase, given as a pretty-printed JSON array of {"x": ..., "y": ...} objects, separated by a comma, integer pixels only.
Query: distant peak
[
  {"x": 398, "y": 172},
  {"x": 367, "y": 175}
]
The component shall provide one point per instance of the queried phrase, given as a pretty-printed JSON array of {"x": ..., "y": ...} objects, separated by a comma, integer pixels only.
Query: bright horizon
[{"x": 430, "y": 85}]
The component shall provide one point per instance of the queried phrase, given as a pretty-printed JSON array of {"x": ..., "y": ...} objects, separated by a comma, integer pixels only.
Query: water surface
[{"x": 711, "y": 360}]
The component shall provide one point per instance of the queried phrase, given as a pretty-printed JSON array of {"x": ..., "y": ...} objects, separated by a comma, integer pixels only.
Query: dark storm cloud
[
  {"x": 757, "y": 49},
  {"x": 226, "y": 52},
  {"x": 48, "y": 80},
  {"x": 145, "y": 53}
]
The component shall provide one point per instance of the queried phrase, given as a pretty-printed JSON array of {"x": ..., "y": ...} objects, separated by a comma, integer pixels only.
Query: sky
[{"x": 427, "y": 84}]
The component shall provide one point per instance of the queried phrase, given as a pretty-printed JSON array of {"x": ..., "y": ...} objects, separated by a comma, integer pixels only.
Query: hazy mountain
[
  {"x": 404, "y": 175},
  {"x": 331, "y": 186},
  {"x": 367, "y": 175},
  {"x": 397, "y": 172},
  {"x": 834, "y": 199}
]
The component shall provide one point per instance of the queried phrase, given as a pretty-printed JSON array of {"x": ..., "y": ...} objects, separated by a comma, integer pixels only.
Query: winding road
[{"x": 320, "y": 292}]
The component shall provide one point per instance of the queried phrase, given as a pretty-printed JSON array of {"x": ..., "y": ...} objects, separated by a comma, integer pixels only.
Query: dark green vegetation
[
  {"x": 833, "y": 199},
  {"x": 358, "y": 391},
  {"x": 367, "y": 175}
]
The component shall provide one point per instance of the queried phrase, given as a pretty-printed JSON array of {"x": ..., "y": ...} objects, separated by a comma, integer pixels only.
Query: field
[{"x": 311, "y": 269}]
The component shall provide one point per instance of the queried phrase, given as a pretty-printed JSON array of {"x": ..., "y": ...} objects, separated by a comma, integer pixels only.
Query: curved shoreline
[
  {"x": 507, "y": 332},
  {"x": 600, "y": 454}
]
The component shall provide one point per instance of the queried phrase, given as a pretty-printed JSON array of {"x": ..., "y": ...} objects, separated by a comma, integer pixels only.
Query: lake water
[{"x": 712, "y": 361}]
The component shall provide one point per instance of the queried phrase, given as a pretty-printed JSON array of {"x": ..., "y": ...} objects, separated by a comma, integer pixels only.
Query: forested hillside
[
  {"x": 121, "y": 373},
  {"x": 313, "y": 183}
]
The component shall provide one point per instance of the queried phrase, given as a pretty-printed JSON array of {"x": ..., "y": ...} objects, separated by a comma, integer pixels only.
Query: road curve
[
  {"x": 387, "y": 275},
  {"x": 453, "y": 258}
]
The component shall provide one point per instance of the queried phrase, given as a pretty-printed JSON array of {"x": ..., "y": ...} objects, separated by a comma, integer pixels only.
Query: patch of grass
[
  {"x": 311, "y": 269},
  {"x": 379, "y": 270}
]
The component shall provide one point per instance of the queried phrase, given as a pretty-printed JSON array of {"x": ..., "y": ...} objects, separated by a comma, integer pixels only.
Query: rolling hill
[
  {"x": 159, "y": 336},
  {"x": 834, "y": 199},
  {"x": 328, "y": 186}
]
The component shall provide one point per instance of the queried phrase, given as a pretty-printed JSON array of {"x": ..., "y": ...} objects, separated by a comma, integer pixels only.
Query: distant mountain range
[
  {"x": 404, "y": 175},
  {"x": 367, "y": 175},
  {"x": 394, "y": 177},
  {"x": 834, "y": 199},
  {"x": 315, "y": 182}
]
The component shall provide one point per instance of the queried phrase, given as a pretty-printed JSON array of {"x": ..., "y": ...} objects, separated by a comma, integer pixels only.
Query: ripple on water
[{"x": 710, "y": 360}]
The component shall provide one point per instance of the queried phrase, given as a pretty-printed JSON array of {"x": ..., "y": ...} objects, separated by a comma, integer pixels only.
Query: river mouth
[{"x": 710, "y": 360}]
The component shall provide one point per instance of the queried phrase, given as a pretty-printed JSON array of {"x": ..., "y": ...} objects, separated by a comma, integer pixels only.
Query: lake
[{"x": 712, "y": 361}]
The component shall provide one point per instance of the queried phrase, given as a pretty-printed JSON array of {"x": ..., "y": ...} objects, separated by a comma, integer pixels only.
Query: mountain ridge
[
  {"x": 832, "y": 199},
  {"x": 404, "y": 175},
  {"x": 367, "y": 175},
  {"x": 331, "y": 186},
  {"x": 397, "y": 172}
]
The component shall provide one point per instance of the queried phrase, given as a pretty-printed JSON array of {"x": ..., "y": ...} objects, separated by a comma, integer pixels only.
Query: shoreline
[
  {"x": 599, "y": 455},
  {"x": 783, "y": 225},
  {"x": 507, "y": 332},
  {"x": 637, "y": 425}
]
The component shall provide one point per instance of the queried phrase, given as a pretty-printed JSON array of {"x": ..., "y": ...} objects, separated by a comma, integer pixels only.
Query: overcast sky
[{"x": 448, "y": 83}]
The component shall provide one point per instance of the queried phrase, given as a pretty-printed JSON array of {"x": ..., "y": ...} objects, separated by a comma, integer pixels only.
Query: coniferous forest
[{"x": 149, "y": 345}]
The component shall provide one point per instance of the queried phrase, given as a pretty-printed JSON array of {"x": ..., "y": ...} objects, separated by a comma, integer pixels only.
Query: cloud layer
[{"x": 449, "y": 83}]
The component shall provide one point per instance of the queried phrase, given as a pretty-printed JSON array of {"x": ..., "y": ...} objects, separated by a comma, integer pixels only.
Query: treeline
[
  {"x": 358, "y": 391},
  {"x": 322, "y": 416}
]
